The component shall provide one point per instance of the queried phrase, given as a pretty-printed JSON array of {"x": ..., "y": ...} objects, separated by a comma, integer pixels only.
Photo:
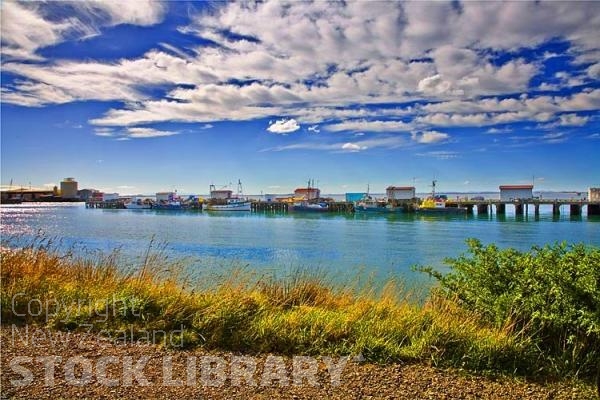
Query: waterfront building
[
  {"x": 516, "y": 192},
  {"x": 86, "y": 194},
  {"x": 594, "y": 194},
  {"x": 68, "y": 188},
  {"x": 221, "y": 194},
  {"x": 400, "y": 192}
]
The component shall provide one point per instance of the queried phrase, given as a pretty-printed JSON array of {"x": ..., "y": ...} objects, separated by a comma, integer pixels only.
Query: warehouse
[
  {"x": 400, "y": 192},
  {"x": 516, "y": 192}
]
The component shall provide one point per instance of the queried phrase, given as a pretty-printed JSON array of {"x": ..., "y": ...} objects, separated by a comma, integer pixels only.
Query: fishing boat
[
  {"x": 370, "y": 204},
  {"x": 138, "y": 204},
  {"x": 436, "y": 204},
  {"x": 237, "y": 203},
  {"x": 171, "y": 202},
  {"x": 308, "y": 203},
  {"x": 306, "y": 206}
]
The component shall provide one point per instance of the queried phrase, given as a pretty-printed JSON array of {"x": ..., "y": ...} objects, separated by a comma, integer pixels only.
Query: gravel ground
[{"x": 357, "y": 380}]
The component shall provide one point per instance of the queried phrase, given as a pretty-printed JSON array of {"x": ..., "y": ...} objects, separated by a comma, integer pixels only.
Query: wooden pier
[
  {"x": 483, "y": 207},
  {"x": 521, "y": 207},
  {"x": 269, "y": 206},
  {"x": 111, "y": 204}
]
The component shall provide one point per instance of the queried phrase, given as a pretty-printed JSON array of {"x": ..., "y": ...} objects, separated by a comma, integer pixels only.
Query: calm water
[{"x": 341, "y": 244}]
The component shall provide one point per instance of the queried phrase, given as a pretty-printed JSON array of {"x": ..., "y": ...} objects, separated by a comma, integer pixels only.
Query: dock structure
[
  {"x": 270, "y": 206},
  {"x": 109, "y": 204},
  {"x": 483, "y": 207},
  {"x": 521, "y": 206}
]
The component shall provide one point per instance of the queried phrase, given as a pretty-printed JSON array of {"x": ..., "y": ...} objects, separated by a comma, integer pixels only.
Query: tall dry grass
[{"x": 300, "y": 314}]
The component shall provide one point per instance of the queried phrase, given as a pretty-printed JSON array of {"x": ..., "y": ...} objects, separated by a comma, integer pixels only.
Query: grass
[{"x": 300, "y": 314}]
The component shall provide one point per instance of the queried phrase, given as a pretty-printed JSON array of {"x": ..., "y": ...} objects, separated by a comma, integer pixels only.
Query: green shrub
[{"x": 550, "y": 294}]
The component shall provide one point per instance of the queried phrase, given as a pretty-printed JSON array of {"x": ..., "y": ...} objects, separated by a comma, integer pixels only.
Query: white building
[
  {"x": 400, "y": 192},
  {"x": 594, "y": 194},
  {"x": 221, "y": 194},
  {"x": 516, "y": 192}
]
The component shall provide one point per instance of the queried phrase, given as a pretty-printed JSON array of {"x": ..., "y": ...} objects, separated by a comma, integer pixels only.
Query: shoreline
[
  {"x": 58, "y": 299},
  {"x": 357, "y": 379}
]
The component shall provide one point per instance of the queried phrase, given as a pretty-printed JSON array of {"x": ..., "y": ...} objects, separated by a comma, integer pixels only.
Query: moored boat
[
  {"x": 437, "y": 205},
  {"x": 237, "y": 203},
  {"x": 306, "y": 206},
  {"x": 370, "y": 204},
  {"x": 138, "y": 204},
  {"x": 168, "y": 201}
]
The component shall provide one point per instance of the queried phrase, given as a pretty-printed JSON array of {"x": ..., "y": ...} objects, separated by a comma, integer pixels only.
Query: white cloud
[
  {"x": 428, "y": 137},
  {"x": 353, "y": 147},
  {"x": 371, "y": 126},
  {"x": 284, "y": 126},
  {"x": 572, "y": 120},
  {"x": 29, "y": 26},
  {"x": 386, "y": 142},
  {"x": 440, "y": 155},
  {"x": 499, "y": 130},
  {"x": 357, "y": 52},
  {"x": 106, "y": 132},
  {"x": 142, "y": 133}
]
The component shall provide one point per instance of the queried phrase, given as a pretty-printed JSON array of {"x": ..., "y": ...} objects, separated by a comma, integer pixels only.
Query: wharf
[
  {"x": 111, "y": 204},
  {"x": 522, "y": 206}
]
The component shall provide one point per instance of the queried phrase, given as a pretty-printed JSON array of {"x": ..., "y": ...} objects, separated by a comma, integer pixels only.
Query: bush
[{"x": 550, "y": 294}]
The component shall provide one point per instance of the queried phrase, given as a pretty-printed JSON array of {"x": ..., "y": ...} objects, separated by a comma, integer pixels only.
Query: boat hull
[
  {"x": 303, "y": 208},
  {"x": 167, "y": 207},
  {"x": 364, "y": 209},
  {"x": 442, "y": 211},
  {"x": 229, "y": 207}
]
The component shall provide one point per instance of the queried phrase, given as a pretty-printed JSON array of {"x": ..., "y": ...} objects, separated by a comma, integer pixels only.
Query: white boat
[
  {"x": 137, "y": 204},
  {"x": 237, "y": 203},
  {"x": 233, "y": 204}
]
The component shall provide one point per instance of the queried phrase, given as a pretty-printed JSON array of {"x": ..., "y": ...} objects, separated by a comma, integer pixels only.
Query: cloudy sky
[{"x": 142, "y": 96}]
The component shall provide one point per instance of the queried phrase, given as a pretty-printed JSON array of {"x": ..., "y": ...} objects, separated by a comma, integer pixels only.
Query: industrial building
[
  {"x": 594, "y": 194},
  {"x": 221, "y": 194},
  {"x": 400, "y": 192},
  {"x": 353, "y": 197},
  {"x": 68, "y": 188},
  {"x": 516, "y": 192}
]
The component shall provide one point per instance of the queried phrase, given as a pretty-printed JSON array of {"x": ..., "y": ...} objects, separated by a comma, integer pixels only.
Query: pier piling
[
  {"x": 519, "y": 209},
  {"x": 575, "y": 209},
  {"x": 556, "y": 209},
  {"x": 500, "y": 209},
  {"x": 593, "y": 209}
]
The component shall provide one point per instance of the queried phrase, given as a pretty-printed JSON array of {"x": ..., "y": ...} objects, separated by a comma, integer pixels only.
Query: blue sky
[{"x": 137, "y": 97}]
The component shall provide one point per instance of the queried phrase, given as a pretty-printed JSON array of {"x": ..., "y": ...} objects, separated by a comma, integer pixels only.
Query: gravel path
[{"x": 357, "y": 380}]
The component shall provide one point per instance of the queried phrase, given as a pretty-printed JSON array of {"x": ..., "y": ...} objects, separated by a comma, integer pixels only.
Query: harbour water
[{"x": 338, "y": 244}]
